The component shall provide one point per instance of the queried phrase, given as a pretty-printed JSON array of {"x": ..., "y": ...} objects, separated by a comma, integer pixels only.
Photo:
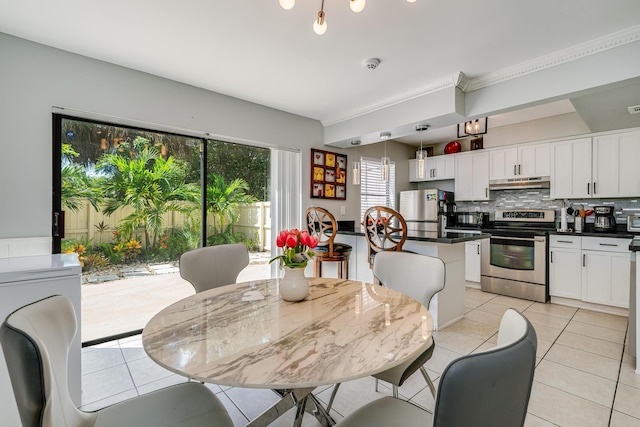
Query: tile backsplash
[{"x": 540, "y": 199}]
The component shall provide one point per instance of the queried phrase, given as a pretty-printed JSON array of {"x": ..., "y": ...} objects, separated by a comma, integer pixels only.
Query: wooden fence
[{"x": 87, "y": 224}]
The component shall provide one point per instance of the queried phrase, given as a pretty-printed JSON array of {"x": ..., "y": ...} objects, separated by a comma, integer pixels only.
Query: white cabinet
[
  {"x": 473, "y": 256},
  {"x": 615, "y": 165},
  {"x": 435, "y": 168},
  {"x": 565, "y": 279},
  {"x": 590, "y": 269},
  {"x": 521, "y": 162},
  {"x": 571, "y": 169},
  {"x": 606, "y": 271},
  {"x": 472, "y": 176},
  {"x": 604, "y": 168}
]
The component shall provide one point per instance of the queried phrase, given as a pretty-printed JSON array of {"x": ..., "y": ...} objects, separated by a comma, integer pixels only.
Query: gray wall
[{"x": 35, "y": 78}]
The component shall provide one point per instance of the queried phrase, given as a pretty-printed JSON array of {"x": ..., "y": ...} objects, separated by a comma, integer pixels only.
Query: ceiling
[{"x": 259, "y": 52}]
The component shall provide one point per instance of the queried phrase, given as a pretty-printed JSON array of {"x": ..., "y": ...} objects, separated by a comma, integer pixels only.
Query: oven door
[{"x": 521, "y": 259}]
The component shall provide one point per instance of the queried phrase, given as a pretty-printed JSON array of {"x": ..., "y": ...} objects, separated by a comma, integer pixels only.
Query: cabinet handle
[
  {"x": 565, "y": 241},
  {"x": 615, "y": 245},
  {"x": 519, "y": 169},
  {"x": 594, "y": 188},
  {"x": 551, "y": 256},
  {"x": 433, "y": 173},
  {"x": 588, "y": 187},
  {"x": 584, "y": 260},
  {"x": 486, "y": 192},
  {"x": 478, "y": 248},
  {"x": 514, "y": 170}
]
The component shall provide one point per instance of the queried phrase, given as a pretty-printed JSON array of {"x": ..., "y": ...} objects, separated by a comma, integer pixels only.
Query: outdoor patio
[{"x": 114, "y": 307}]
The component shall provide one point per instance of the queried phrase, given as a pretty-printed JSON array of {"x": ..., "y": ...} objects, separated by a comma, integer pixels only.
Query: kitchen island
[{"x": 447, "y": 306}]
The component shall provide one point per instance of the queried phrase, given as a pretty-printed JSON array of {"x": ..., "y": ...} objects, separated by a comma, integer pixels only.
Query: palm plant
[
  {"x": 151, "y": 185},
  {"x": 224, "y": 200},
  {"x": 77, "y": 185}
]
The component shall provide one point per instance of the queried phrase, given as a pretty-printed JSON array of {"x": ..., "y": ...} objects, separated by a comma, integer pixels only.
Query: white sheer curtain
[{"x": 286, "y": 195}]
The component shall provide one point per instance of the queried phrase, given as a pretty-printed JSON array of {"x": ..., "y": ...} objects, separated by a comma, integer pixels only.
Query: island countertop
[{"x": 432, "y": 236}]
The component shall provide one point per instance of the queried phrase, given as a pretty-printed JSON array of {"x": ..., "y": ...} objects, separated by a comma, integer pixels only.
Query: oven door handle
[{"x": 527, "y": 239}]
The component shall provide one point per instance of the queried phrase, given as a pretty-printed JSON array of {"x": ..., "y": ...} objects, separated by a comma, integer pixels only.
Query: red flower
[
  {"x": 292, "y": 241},
  {"x": 282, "y": 238}
]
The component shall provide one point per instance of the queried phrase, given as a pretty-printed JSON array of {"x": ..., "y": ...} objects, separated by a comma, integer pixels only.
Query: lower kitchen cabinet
[
  {"x": 565, "y": 272},
  {"x": 606, "y": 271},
  {"x": 473, "y": 256},
  {"x": 590, "y": 269}
]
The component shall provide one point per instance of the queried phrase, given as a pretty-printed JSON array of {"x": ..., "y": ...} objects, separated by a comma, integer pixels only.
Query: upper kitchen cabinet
[
  {"x": 472, "y": 176},
  {"x": 616, "y": 172},
  {"x": 571, "y": 169},
  {"x": 526, "y": 161},
  {"x": 605, "y": 167},
  {"x": 435, "y": 168}
]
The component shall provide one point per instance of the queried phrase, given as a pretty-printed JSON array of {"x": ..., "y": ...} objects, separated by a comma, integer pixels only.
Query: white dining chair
[
  {"x": 36, "y": 340},
  {"x": 213, "y": 266},
  {"x": 485, "y": 389},
  {"x": 420, "y": 277}
]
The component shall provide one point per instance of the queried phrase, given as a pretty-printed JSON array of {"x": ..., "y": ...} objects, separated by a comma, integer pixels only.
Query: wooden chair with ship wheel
[
  {"x": 322, "y": 224},
  {"x": 385, "y": 230}
]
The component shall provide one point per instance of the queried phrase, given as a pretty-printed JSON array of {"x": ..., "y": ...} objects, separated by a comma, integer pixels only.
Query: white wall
[{"x": 35, "y": 78}]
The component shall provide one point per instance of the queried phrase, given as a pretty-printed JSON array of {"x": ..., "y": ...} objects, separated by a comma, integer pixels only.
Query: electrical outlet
[{"x": 343, "y": 210}]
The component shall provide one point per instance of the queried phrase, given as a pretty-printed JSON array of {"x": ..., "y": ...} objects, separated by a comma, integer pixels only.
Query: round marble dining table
[{"x": 246, "y": 335}]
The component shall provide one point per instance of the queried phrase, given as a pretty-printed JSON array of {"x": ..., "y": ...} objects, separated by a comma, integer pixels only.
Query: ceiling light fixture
[
  {"x": 421, "y": 155},
  {"x": 355, "y": 166},
  {"x": 472, "y": 128},
  {"x": 385, "y": 162},
  {"x": 319, "y": 24}
]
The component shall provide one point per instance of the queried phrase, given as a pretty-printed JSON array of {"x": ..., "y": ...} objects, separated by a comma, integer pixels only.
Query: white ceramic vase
[{"x": 294, "y": 286}]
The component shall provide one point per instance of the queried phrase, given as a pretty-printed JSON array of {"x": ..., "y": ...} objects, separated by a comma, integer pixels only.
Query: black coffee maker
[
  {"x": 450, "y": 212},
  {"x": 604, "y": 219}
]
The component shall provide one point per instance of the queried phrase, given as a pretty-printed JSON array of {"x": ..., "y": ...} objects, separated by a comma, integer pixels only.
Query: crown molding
[
  {"x": 438, "y": 85},
  {"x": 464, "y": 83},
  {"x": 593, "y": 47}
]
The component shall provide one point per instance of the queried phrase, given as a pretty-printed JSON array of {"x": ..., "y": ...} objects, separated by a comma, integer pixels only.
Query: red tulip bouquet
[{"x": 296, "y": 246}]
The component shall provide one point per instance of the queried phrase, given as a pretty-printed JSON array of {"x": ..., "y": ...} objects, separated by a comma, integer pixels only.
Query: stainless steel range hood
[{"x": 520, "y": 183}]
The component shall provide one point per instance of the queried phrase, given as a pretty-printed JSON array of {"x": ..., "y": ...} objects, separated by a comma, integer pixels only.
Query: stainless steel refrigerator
[{"x": 421, "y": 208}]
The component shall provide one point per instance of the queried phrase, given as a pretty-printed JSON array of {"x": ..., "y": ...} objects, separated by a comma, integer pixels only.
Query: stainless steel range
[{"x": 514, "y": 259}]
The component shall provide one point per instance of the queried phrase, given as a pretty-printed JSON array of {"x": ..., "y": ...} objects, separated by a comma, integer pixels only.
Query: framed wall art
[{"x": 328, "y": 175}]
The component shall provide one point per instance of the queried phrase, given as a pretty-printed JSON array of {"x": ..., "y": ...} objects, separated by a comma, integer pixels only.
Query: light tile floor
[{"x": 583, "y": 376}]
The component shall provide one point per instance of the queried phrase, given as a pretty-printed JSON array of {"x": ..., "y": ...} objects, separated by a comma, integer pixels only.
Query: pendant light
[
  {"x": 355, "y": 166},
  {"x": 320, "y": 25},
  {"x": 385, "y": 162},
  {"x": 420, "y": 155}
]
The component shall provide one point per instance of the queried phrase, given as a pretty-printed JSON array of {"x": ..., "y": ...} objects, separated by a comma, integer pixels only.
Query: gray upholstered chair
[
  {"x": 213, "y": 266},
  {"x": 420, "y": 277},
  {"x": 36, "y": 340},
  {"x": 485, "y": 389}
]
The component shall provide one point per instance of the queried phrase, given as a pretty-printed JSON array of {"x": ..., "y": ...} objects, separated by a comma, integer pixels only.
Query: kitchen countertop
[
  {"x": 432, "y": 236},
  {"x": 634, "y": 246}
]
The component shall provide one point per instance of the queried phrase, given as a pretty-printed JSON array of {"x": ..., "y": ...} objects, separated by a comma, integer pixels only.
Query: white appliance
[{"x": 28, "y": 279}]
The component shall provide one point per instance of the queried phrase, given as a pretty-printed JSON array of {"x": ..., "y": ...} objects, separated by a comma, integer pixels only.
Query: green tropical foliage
[
  {"x": 223, "y": 201},
  {"x": 150, "y": 184},
  {"x": 77, "y": 185}
]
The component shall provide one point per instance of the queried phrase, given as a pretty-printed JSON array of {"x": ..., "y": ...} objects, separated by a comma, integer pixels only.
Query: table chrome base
[{"x": 303, "y": 400}]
